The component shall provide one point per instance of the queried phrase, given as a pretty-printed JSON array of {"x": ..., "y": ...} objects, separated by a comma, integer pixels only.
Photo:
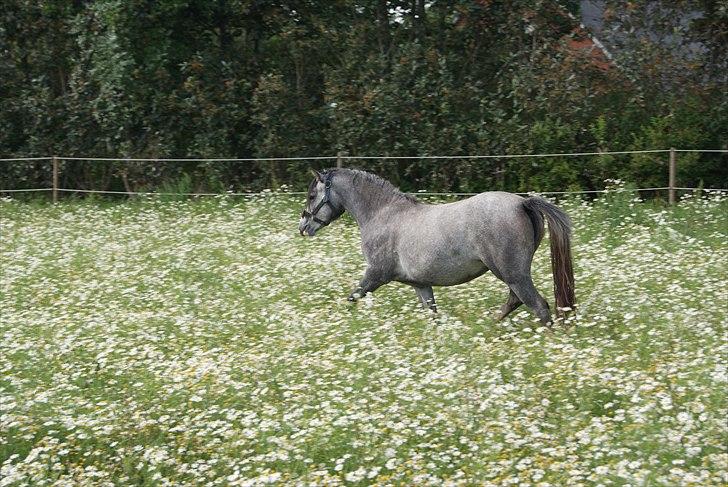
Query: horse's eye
[{"x": 310, "y": 198}]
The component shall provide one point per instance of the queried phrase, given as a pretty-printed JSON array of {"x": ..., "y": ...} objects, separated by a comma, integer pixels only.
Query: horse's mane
[{"x": 369, "y": 179}]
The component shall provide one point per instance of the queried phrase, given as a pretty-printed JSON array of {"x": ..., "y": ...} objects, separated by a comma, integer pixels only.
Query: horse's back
[{"x": 485, "y": 215}]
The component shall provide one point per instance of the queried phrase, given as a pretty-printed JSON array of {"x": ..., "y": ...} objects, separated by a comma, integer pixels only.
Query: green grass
[{"x": 203, "y": 341}]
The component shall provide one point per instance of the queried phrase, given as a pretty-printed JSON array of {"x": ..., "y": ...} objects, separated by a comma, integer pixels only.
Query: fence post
[
  {"x": 339, "y": 159},
  {"x": 672, "y": 177},
  {"x": 54, "y": 159}
]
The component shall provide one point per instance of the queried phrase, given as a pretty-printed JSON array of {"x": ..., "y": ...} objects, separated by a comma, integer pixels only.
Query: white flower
[
  {"x": 356, "y": 475},
  {"x": 373, "y": 472},
  {"x": 684, "y": 417}
]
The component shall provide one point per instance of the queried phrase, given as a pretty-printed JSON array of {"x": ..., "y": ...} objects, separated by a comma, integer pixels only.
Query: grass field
[{"x": 207, "y": 343}]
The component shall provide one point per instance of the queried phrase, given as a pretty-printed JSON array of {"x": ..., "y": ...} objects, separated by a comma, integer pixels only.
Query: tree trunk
[
  {"x": 383, "y": 27},
  {"x": 418, "y": 18}
]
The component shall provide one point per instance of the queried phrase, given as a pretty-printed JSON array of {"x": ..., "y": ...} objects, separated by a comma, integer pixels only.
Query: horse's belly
[{"x": 447, "y": 271}]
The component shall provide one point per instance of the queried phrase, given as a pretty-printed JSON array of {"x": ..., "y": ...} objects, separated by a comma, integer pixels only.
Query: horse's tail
[{"x": 560, "y": 237}]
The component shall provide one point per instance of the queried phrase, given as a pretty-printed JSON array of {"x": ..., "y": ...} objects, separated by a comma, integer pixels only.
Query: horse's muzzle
[{"x": 306, "y": 230}]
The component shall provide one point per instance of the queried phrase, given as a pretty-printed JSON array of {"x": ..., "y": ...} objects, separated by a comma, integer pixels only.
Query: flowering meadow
[{"x": 205, "y": 342}]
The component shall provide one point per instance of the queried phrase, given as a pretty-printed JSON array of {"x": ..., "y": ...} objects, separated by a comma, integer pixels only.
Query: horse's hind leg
[
  {"x": 427, "y": 297},
  {"x": 510, "y": 305},
  {"x": 527, "y": 293}
]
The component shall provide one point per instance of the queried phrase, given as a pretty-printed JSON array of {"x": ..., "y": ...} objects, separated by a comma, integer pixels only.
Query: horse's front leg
[
  {"x": 427, "y": 296},
  {"x": 373, "y": 279}
]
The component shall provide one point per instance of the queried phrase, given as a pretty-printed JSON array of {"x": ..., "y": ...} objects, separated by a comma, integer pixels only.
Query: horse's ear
[{"x": 317, "y": 175}]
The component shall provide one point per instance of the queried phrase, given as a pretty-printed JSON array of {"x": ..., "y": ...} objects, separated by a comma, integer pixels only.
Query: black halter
[{"x": 325, "y": 201}]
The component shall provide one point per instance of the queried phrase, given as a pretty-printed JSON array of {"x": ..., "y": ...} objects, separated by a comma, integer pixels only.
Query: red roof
[{"x": 582, "y": 45}]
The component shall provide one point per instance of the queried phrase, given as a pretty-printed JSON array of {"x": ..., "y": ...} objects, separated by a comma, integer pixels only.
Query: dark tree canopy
[{"x": 254, "y": 78}]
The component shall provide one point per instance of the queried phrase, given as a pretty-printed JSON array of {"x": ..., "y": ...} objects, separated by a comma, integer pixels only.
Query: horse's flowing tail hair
[{"x": 560, "y": 237}]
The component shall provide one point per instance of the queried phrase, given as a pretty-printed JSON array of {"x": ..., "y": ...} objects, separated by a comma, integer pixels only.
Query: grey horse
[{"x": 424, "y": 245}]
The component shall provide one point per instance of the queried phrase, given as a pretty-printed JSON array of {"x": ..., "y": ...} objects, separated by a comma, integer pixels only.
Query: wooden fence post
[
  {"x": 339, "y": 160},
  {"x": 672, "y": 178},
  {"x": 54, "y": 159}
]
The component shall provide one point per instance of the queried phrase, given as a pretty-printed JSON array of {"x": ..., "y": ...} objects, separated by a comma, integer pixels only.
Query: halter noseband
[{"x": 325, "y": 201}]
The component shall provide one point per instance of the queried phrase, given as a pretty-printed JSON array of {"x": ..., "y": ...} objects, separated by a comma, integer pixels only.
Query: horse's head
[{"x": 322, "y": 204}]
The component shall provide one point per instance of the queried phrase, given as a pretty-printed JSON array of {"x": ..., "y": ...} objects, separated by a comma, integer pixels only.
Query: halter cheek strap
[{"x": 326, "y": 201}]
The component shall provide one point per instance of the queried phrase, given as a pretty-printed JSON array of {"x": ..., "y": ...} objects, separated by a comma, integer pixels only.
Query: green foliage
[
  {"x": 175, "y": 190},
  {"x": 243, "y": 78}
]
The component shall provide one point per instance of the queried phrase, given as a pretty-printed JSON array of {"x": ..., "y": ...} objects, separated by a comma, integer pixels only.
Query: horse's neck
[{"x": 366, "y": 201}]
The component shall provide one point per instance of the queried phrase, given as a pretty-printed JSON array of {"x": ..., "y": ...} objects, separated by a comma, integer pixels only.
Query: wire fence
[
  {"x": 348, "y": 157},
  {"x": 300, "y": 193},
  {"x": 672, "y": 187}
]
